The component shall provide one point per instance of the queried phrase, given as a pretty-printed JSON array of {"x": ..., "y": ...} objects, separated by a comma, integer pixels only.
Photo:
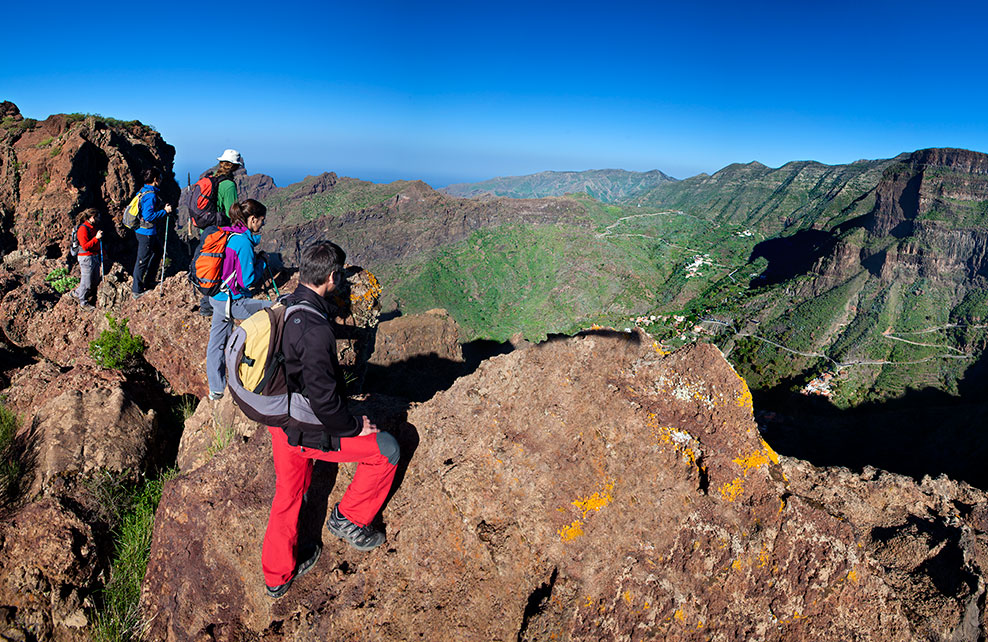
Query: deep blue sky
[{"x": 451, "y": 92}]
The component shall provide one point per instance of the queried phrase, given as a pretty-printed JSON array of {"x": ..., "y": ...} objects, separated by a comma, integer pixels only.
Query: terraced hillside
[{"x": 606, "y": 185}]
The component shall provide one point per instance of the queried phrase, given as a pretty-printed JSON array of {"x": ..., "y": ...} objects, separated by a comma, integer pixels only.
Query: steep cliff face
[
  {"x": 51, "y": 170},
  {"x": 933, "y": 203}
]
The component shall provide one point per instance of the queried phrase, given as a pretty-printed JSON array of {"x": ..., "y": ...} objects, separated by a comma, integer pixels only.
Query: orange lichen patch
[
  {"x": 373, "y": 290},
  {"x": 626, "y": 596},
  {"x": 678, "y": 615},
  {"x": 737, "y": 565},
  {"x": 782, "y": 505},
  {"x": 730, "y": 491},
  {"x": 658, "y": 348},
  {"x": 571, "y": 532},
  {"x": 744, "y": 399},
  {"x": 852, "y": 576},
  {"x": 596, "y": 501},
  {"x": 753, "y": 460},
  {"x": 772, "y": 455},
  {"x": 762, "y": 558}
]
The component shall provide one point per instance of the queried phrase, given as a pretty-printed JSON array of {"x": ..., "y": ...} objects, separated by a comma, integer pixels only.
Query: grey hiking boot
[
  {"x": 362, "y": 538},
  {"x": 300, "y": 570}
]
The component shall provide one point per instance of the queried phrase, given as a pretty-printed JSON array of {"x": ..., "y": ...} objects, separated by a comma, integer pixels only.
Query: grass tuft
[
  {"x": 10, "y": 465},
  {"x": 120, "y": 617}
]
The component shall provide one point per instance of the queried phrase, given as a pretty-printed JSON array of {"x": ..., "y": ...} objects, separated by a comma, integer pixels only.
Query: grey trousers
[
  {"x": 89, "y": 268},
  {"x": 220, "y": 331}
]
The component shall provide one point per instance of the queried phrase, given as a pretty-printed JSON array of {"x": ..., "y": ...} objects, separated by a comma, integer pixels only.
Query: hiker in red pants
[{"x": 312, "y": 368}]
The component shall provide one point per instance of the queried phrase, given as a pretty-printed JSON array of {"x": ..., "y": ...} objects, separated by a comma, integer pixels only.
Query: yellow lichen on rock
[
  {"x": 731, "y": 490},
  {"x": 596, "y": 501},
  {"x": 744, "y": 399},
  {"x": 572, "y": 531}
]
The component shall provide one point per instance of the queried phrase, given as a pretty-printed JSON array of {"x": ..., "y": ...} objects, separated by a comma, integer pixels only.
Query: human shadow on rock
[
  {"x": 420, "y": 377},
  {"x": 924, "y": 432}
]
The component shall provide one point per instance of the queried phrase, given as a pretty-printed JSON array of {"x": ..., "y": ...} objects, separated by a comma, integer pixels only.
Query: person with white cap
[{"x": 224, "y": 195}]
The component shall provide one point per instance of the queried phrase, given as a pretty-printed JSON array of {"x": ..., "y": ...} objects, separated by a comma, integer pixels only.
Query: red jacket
[{"x": 88, "y": 243}]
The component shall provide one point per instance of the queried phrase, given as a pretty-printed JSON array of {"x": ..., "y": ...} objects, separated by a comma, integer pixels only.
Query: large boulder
[
  {"x": 50, "y": 566},
  {"x": 584, "y": 488}
]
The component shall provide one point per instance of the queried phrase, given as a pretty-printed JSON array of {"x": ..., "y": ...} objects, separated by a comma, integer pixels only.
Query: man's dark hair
[
  {"x": 318, "y": 261},
  {"x": 151, "y": 174}
]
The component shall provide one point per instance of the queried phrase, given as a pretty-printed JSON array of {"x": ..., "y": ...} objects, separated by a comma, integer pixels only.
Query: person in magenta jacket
[{"x": 241, "y": 268}]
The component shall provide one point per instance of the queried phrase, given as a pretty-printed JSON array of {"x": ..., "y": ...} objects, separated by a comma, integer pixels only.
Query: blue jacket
[
  {"x": 151, "y": 210},
  {"x": 240, "y": 259}
]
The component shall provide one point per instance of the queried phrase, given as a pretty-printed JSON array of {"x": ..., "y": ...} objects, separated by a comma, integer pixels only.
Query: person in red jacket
[
  {"x": 312, "y": 369},
  {"x": 89, "y": 255}
]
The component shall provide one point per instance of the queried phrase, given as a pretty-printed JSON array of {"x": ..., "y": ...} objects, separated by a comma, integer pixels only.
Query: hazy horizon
[{"x": 454, "y": 92}]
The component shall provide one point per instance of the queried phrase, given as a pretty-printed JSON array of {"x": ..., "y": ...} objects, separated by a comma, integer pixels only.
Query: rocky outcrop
[
  {"x": 584, "y": 488},
  {"x": 51, "y": 170},
  {"x": 415, "y": 355}
]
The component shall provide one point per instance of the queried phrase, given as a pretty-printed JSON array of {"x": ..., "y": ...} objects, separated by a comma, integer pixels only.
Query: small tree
[{"x": 117, "y": 348}]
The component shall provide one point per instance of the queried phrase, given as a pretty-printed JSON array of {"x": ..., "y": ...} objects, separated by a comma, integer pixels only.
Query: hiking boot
[
  {"x": 215, "y": 395},
  {"x": 138, "y": 295},
  {"x": 86, "y": 304},
  {"x": 300, "y": 570},
  {"x": 362, "y": 538}
]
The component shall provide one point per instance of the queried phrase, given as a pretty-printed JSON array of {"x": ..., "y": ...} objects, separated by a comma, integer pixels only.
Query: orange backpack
[{"x": 206, "y": 271}]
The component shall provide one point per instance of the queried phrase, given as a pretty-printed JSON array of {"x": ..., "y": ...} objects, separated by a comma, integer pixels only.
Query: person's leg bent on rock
[{"x": 376, "y": 456}]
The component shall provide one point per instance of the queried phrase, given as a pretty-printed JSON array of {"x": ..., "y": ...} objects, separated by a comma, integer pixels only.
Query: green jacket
[{"x": 226, "y": 195}]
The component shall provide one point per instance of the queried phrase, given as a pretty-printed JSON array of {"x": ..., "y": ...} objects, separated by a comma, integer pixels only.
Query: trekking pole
[
  {"x": 271, "y": 276},
  {"x": 164, "y": 251},
  {"x": 101, "y": 275}
]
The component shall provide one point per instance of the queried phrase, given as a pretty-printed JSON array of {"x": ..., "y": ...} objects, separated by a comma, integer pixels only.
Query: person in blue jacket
[
  {"x": 148, "y": 243},
  {"x": 241, "y": 269}
]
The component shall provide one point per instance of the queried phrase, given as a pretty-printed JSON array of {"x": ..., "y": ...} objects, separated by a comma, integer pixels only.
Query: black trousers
[{"x": 148, "y": 249}]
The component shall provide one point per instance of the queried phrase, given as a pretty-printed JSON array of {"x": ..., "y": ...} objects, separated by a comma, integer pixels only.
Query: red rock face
[
  {"x": 52, "y": 170},
  {"x": 584, "y": 488}
]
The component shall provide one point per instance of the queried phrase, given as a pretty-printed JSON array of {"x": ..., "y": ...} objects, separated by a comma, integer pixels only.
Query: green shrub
[
  {"x": 60, "y": 280},
  {"x": 45, "y": 143},
  {"x": 119, "y": 618},
  {"x": 117, "y": 348},
  {"x": 10, "y": 466}
]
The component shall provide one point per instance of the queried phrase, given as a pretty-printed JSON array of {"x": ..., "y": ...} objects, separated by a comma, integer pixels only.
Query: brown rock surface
[
  {"x": 585, "y": 488},
  {"x": 50, "y": 565}
]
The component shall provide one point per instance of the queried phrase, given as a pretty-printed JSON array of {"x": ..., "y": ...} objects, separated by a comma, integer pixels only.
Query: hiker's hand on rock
[
  {"x": 367, "y": 427},
  {"x": 168, "y": 208},
  {"x": 99, "y": 234}
]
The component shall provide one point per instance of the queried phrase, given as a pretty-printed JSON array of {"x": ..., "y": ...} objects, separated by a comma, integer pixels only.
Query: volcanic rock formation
[{"x": 584, "y": 488}]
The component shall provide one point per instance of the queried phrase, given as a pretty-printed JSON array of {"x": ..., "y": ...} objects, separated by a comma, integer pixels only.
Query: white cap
[{"x": 232, "y": 156}]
